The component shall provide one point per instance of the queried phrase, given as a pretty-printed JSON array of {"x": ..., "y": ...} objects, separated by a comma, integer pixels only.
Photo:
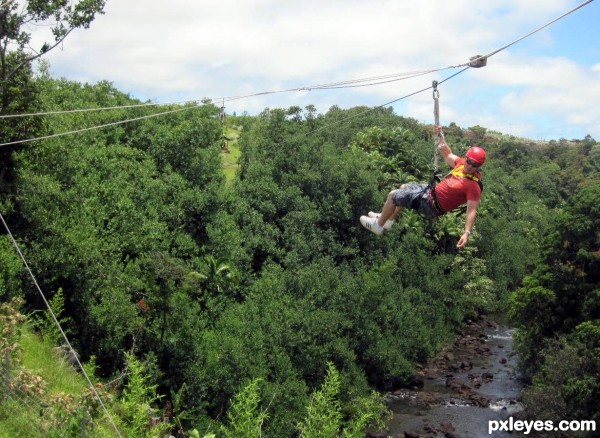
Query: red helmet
[{"x": 476, "y": 154}]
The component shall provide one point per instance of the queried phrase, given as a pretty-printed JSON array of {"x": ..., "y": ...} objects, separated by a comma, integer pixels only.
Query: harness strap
[
  {"x": 458, "y": 171},
  {"x": 434, "y": 201}
]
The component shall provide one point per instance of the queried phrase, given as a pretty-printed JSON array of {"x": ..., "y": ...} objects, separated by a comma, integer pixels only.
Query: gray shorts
[{"x": 416, "y": 197}]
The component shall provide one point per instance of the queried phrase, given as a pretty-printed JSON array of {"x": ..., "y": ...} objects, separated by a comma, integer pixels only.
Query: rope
[
  {"x": 77, "y": 131},
  {"x": 489, "y": 55},
  {"x": 436, "y": 117},
  {"x": 386, "y": 104},
  {"x": 377, "y": 80},
  {"x": 87, "y": 378}
]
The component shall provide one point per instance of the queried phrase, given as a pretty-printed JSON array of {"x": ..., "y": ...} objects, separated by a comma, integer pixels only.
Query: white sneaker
[
  {"x": 388, "y": 224},
  {"x": 371, "y": 224}
]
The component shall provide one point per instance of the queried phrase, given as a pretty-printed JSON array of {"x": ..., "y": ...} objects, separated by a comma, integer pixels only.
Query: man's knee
[{"x": 393, "y": 192}]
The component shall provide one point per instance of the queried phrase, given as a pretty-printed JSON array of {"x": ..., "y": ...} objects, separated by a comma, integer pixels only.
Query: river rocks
[
  {"x": 468, "y": 378},
  {"x": 445, "y": 428}
]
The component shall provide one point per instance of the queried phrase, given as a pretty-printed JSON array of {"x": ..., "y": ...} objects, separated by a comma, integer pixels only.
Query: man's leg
[
  {"x": 390, "y": 210},
  {"x": 375, "y": 223}
]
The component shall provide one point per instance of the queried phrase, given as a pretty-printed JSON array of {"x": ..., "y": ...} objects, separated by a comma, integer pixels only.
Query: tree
[
  {"x": 563, "y": 292},
  {"x": 16, "y": 19},
  {"x": 18, "y": 93}
]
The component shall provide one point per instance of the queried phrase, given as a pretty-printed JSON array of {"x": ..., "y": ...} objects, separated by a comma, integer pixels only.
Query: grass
[
  {"x": 230, "y": 160},
  {"x": 39, "y": 357},
  {"x": 20, "y": 413}
]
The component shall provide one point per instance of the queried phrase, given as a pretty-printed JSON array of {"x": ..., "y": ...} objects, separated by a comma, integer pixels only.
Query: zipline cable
[
  {"x": 61, "y": 134},
  {"x": 370, "y": 81},
  {"x": 86, "y": 110},
  {"x": 55, "y": 319},
  {"x": 91, "y": 128},
  {"x": 474, "y": 62},
  {"x": 489, "y": 55},
  {"x": 387, "y": 103},
  {"x": 340, "y": 84}
]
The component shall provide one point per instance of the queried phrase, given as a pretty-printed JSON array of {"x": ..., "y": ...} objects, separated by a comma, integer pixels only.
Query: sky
[{"x": 545, "y": 87}]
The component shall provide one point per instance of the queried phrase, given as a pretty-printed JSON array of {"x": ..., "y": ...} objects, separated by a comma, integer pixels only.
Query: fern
[
  {"x": 324, "y": 417},
  {"x": 245, "y": 416}
]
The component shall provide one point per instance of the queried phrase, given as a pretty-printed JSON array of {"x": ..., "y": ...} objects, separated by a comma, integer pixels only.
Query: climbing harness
[{"x": 458, "y": 171}]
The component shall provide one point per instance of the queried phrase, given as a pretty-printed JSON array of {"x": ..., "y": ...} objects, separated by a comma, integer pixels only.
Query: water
[{"x": 475, "y": 382}]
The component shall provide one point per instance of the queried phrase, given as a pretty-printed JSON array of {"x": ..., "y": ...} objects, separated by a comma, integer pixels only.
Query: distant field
[{"x": 230, "y": 159}]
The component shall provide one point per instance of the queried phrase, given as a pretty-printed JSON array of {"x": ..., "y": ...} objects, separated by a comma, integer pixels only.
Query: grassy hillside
[
  {"x": 20, "y": 413},
  {"x": 232, "y": 153}
]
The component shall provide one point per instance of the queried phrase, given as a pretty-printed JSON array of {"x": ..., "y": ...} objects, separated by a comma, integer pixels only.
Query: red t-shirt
[{"x": 454, "y": 191}]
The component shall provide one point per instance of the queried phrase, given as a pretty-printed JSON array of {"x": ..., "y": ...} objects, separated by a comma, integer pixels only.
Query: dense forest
[
  {"x": 266, "y": 282},
  {"x": 256, "y": 305}
]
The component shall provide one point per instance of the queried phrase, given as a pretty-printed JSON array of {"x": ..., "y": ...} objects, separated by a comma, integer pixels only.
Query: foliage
[
  {"x": 138, "y": 398},
  {"x": 561, "y": 294},
  {"x": 14, "y": 22},
  {"x": 10, "y": 271},
  {"x": 267, "y": 278},
  {"x": 566, "y": 386},
  {"x": 48, "y": 325},
  {"x": 245, "y": 418},
  {"x": 324, "y": 416},
  {"x": 557, "y": 312},
  {"x": 11, "y": 320},
  {"x": 51, "y": 397},
  {"x": 19, "y": 94}
]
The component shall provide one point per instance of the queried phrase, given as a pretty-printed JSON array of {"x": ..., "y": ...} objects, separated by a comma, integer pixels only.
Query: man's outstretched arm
[
  {"x": 444, "y": 149},
  {"x": 470, "y": 221}
]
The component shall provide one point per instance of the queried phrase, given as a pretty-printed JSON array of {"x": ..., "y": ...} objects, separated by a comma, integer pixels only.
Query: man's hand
[
  {"x": 440, "y": 134},
  {"x": 462, "y": 242}
]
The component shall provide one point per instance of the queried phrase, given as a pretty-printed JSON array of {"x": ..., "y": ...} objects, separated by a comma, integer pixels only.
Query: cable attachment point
[
  {"x": 436, "y": 93},
  {"x": 478, "y": 61}
]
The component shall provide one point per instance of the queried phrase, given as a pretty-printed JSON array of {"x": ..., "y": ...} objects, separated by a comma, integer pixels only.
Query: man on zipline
[{"x": 461, "y": 186}]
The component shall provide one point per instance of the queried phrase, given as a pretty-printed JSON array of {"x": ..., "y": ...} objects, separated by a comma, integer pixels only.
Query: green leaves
[
  {"x": 269, "y": 278},
  {"x": 245, "y": 416},
  {"x": 11, "y": 268},
  {"x": 137, "y": 401},
  {"x": 16, "y": 55},
  {"x": 325, "y": 416}
]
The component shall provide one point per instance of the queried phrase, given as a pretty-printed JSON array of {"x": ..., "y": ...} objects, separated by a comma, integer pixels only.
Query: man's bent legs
[
  {"x": 390, "y": 211},
  {"x": 396, "y": 201}
]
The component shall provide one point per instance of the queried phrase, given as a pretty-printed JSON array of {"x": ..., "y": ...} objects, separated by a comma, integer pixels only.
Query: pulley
[{"x": 477, "y": 61}]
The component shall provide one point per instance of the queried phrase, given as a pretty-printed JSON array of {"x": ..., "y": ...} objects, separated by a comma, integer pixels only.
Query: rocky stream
[{"x": 471, "y": 383}]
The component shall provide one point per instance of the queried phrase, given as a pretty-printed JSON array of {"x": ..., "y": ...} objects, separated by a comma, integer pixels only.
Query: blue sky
[{"x": 544, "y": 87}]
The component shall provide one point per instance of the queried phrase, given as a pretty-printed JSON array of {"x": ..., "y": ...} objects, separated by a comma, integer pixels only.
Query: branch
[
  {"x": 34, "y": 57},
  {"x": 6, "y": 3}
]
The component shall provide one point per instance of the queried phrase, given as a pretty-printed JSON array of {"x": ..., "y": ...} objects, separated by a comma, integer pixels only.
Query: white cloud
[{"x": 177, "y": 49}]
